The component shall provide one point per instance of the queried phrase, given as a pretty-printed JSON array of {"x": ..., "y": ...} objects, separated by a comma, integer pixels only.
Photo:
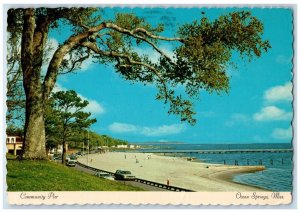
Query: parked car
[
  {"x": 71, "y": 157},
  {"x": 71, "y": 163},
  {"x": 104, "y": 175},
  {"x": 124, "y": 175},
  {"x": 57, "y": 157}
]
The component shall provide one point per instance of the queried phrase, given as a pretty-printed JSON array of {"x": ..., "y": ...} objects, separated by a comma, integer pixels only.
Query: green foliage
[
  {"x": 65, "y": 118},
  {"x": 237, "y": 30},
  {"x": 79, "y": 16},
  {"x": 129, "y": 21},
  {"x": 52, "y": 127},
  {"x": 49, "y": 176},
  {"x": 200, "y": 59},
  {"x": 203, "y": 57},
  {"x": 12, "y": 130},
  {"x": 15, "y": 23},
  {"x": 15, "y": 93},
  {"x": 202, "y": 53},
  {"x": 96, "y": 140}
]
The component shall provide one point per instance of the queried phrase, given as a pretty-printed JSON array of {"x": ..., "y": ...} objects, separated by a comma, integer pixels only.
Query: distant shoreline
[{"x": 196, "y": 176}]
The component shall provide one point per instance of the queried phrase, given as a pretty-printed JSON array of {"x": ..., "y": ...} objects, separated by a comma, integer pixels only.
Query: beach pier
[
  {"x": 224, "y": 161},
  {"x": 228, "y": 151}
]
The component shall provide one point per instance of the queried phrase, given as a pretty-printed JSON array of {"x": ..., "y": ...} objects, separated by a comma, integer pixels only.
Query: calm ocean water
[{"x": 279, "y": 166}]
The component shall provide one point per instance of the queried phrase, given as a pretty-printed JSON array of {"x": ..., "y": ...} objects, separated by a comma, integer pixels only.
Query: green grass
[{"x": 49, "y": 176}]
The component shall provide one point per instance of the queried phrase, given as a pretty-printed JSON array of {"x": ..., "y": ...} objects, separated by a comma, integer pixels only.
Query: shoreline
[
  {"x": 228, "y": 175},
  {"x": 196, "y": 176}
]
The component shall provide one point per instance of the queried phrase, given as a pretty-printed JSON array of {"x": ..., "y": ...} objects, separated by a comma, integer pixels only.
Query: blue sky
[{"x": 258, "y": 108}]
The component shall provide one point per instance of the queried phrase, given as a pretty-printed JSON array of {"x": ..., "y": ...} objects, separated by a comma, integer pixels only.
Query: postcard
[{"x": 153, "y": 105}]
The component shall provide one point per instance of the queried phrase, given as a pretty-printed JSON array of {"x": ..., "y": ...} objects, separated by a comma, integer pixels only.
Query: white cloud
[
  {"x": 51, "y": 46},
  {"x": 237, "y": 118},
  {"x": 147, "y": 131},
  {"x": 280, "y": 133},
  {"x": 162, "y": 130},
  {"x": 93, "y": 107},
  {"x": 272, "y": 113},
  {"x": 85, "y": 64},
  {"x": 122, "y": 128},
  {"x": 153, "y": 54},
  {"x": 279, "y": 93},
  {"x": 58, "y": 88}
]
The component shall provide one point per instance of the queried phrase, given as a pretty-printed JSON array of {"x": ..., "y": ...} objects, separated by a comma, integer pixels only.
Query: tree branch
[
  {"x": 117, "y": 55},
  {"x": 141, "y": 30},
  {"x": 27, "y": 45},
  {"x": 134, "y": 33},
  {"x": 80, "y": 60},
  {"x": 57, "y": 58},
  {"x": 59, "y": 54}
]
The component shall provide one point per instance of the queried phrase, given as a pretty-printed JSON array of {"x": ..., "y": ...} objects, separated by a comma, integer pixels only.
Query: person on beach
[
  {"x": 168, "y": 181},
  {"x": 125, "y": 156}
]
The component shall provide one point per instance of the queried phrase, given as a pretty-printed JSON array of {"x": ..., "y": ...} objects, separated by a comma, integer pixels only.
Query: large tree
[
  {"x": 201, "y": 54},
  {"x": 65, "y": 118}
]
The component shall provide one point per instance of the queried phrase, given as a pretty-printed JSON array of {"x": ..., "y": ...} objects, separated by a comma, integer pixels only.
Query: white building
[
  {"x": 121, "y": 146},
  {"x": 14, "y": 144},
  {"x": 131, "y": 146}
]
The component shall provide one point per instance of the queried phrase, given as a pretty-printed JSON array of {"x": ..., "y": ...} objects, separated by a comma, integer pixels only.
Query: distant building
[
  {"x": 58, "y": 149},
  {"x": 131, "y": 146},
  {"x": 14, "y": 144},
  {"x": 121, "y": 146}
]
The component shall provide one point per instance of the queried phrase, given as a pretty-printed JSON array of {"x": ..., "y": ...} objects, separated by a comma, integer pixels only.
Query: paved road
[{"x": 132, "y": 183}]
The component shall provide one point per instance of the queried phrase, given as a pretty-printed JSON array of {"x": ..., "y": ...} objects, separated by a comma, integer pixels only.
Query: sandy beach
[{"x": 196, "y": 176}]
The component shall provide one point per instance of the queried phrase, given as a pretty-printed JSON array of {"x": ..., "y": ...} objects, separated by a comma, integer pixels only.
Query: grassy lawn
[{"x": 50, "y": 176}]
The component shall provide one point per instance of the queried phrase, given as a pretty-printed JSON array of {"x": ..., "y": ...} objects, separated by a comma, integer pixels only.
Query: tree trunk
[
  {"x": 33, "y": 40},
  {"x": 35, "y": 140},
  {"x": 63, "y": 159},
  {"x": 34, "y": 36}
]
